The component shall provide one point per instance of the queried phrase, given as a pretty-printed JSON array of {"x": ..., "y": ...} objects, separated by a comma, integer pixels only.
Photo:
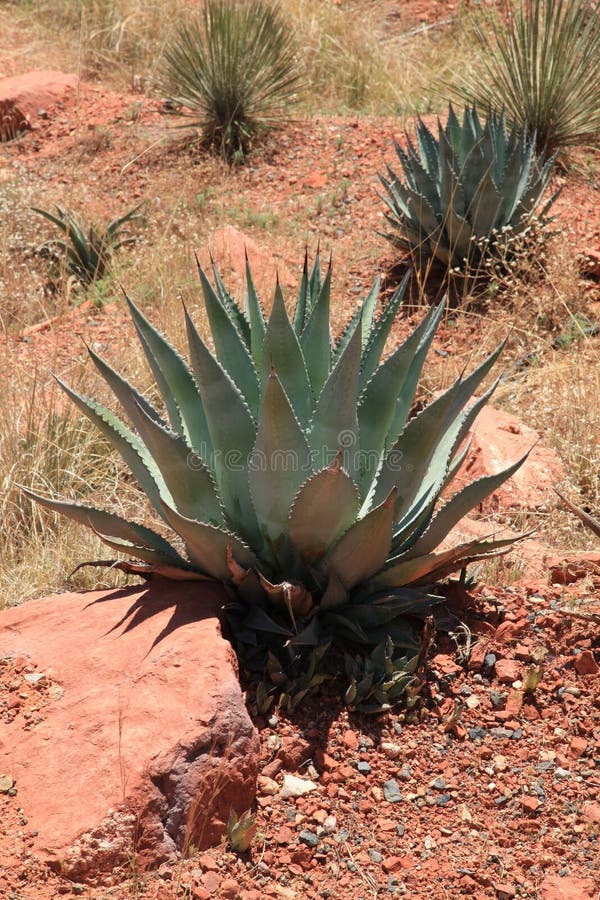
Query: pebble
[
  {"x": 443, "y": 800},
  {"x": 505, "y": 733},
  {"x": 392, "y": 751},
  {"x": 267, "y": 786},
  {"x": 478, "y": 733},
  {"x": 439, "y": 784},
  {"x": 363, "y": 767},
  {"x": 391, "y": 791},
  {"x": 330, "y": 824},
  {"x": 296, "y": 787},
  {"x": 6, "y": 784},
  {"x": 309, "y": 838}
]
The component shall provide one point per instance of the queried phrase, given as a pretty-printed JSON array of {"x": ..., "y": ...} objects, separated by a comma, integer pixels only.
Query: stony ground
[{"x": 489, "y": 789}]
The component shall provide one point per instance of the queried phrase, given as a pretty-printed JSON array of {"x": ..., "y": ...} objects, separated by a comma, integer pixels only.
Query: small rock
[
  {"x": 363, "y": 767},
  {"x": 507, "y": 670},
  {"x": 392, "y": 751},
  {"x": 478, "y": 733},
  {"x": 530, "y": 804},
  {"x": 309, "y": 838},
  {"x": 6, "y": 783},
  {"x": 443, "y": 800},
  {"x": 577, "y": 746},
  {"x": 330, "y": 824},
  {"x": 553, "y": 887},
  {"x": 500, "y": 763},
  {"x": 391, "y": 791},
  {"x": 439, "y": 784},
  {"x": 591, "y": 811},
  {"x": 350, "y": 740},
  {"x": 268, "y": 787},
  {"x": 230, "y": 889},
  {"x": 296, "y": 787},
  {"x": 585, "y": 664},
  {"x": 375, "y": 856},
  {"x": 211, "y": 881},
  {"x": 505, "y": 890}
]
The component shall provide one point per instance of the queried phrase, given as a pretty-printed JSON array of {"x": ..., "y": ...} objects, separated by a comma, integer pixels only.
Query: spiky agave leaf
[
  {"x": 299, "y": 480},
  {"x": 464, "y": 191}
]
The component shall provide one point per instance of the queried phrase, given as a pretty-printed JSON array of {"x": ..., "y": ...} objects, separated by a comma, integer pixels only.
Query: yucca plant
[
  {"x": 541, "y": 63},
  {"x": 233, "y": 70},
  {"x": 290, "y": 469},
  {"x": 85, "y": 251},
  {"x": 466, "y": 194}
]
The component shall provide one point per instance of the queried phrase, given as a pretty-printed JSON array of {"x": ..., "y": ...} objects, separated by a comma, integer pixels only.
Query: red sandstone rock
[
  {"x": 507, "y": 670},
  {"x": 585, "y": 663},
  {"x": 591, "y": 811},
  {"x": 578, "y": 746},
  {"x": 229, "y": 246},
  {"x": 294, "y": 752},
  {"x": 553, "y": 887},
  {"x": 574, "y": 567},
  {"x": 499, "y": 439},
  {"x": 24, "y": 97},
  {"x": 150, "y": 744}
]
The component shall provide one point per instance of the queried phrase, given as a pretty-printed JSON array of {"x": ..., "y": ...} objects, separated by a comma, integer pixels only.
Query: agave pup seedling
[{"x": 288, "y": 467}]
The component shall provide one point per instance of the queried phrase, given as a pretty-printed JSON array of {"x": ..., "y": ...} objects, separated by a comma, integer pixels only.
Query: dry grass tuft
[{"x": 364, "y": 62}]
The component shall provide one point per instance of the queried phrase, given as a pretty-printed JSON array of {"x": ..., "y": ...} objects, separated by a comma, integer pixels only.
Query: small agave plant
[
  {"x": 470, "y": 191},
  {"x": 288, "y": 467},
  {"x": 85, "y": 251}
]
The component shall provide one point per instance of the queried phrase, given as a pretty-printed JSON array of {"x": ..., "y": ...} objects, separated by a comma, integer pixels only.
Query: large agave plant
[
  {"x": 465, "y": 194},
  {"x": 288, "y": 466}
]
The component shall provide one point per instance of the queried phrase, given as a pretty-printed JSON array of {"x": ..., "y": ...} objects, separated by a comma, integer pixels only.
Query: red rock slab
[
  {"x": 553, "y": 887},
  {"x": 147, "y": 744},
  {"x": 24, "y": 97},
  {"x": 500, "y": 439},
  {"x": 573, "y": 567},
  {"x": 229, "y": 246}
]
